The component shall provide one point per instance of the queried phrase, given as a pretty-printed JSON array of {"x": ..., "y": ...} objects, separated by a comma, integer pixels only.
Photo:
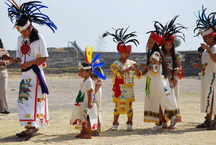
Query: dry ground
[{"x": 62, "y": 89}]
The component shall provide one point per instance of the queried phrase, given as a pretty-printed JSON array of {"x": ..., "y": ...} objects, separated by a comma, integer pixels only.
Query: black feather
[
  {"x": 205, "y": 21},
  {"x": 121, "y": 36},
  {"x": 171, "y": 28},
  {"x": 30, "y": 11}
]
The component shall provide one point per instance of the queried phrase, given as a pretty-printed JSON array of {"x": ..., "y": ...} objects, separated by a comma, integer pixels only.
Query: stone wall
[{"x": 63, "y": 60}]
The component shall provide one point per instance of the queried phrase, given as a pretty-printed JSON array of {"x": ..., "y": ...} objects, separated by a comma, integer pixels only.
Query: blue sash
[{"x": 37, "y": 71}]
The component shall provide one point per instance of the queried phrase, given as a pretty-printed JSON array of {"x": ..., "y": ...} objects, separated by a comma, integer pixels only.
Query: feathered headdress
[
  {"x": 169, "y": 32},
  {"x": 93, "y": 64},
  {"x": 27, "y": 13},
  {"x": 206, "y": 23},
  {"x": 122, "y": 38}
]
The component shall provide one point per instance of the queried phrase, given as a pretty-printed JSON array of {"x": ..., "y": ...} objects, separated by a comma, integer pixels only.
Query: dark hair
[
  {"x": 86, "y": 65},
  {"x": 34, "y": 32},
  {"x": 164, "y": 65},
  {"x": 173, "y": 55},
  {"x": 1, "y": 44},
  {"x": 33, "y": 35},
  {"x": 22, "y": 21}
]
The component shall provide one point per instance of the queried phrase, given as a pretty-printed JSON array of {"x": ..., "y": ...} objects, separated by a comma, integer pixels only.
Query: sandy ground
[{"x": 59, "y": 132}]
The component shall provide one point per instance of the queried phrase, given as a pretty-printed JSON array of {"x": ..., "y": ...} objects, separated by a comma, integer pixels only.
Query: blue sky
[{"x": 86, "y": 20}]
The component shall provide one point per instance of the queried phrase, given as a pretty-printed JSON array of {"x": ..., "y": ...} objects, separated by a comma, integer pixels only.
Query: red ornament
[
  {"x": 116, "y": 87},
  {"x": 157, "y": 38},
  {"x": 122, "y": 48},
  {"x": 25, "y": 48},
  {"x": 213, "y": 34}
]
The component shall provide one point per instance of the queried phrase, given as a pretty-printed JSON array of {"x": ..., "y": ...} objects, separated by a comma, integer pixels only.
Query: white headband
[
  {"x": 22, "y": 28},
  {"x": 84, "y": 68}
]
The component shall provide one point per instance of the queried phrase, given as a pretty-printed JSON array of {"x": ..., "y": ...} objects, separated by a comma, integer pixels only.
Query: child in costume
[
  {"x": 124, "y": 70},
  {"x": 85, "y": 109},
  {"x": 160, "y": 101},
  {"x": 32, "y": 54},
  {"x": 98, "y": 98},
  {"x": 206, "y": 26},
  {"x": 172, "y": 58}
]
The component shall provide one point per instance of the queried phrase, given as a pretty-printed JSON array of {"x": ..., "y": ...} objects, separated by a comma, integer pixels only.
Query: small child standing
[
  {"x": 124, "y": 71},
  {"x": 84, "y": 102},
  {"x": 85, "y": 109}
]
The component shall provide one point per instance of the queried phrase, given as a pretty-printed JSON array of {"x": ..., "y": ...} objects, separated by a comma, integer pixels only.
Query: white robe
[
  {"x": 32, "y": 104},
  {"x": 207, "y": 77}
]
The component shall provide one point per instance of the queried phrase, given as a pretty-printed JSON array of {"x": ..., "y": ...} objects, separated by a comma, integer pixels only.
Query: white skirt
[
  {"x": 159, "y": 96},
  {"x": 32, "y": 104}
]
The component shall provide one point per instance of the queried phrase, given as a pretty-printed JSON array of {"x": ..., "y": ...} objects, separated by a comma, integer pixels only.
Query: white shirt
[
  {"x": 38, "y": 48},
  {"x": 87, "y": 85},
  {"x": 206, "y": 59}
]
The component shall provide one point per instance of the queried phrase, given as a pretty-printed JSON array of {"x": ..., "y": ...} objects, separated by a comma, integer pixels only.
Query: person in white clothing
[
  {"x": 86, "y": 106},
  {"x": 160, "y": 102},
  {"x": 207, "y": 28},
  {"x": 3, "y": 79},
  {"x": 32, "y": 55}
]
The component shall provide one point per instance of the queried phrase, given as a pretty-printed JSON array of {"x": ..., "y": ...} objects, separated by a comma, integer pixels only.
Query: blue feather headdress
[
  {"x": 206, "y": 23},
  {"x": 27, "y": 13},
  {"x": 95, "y": 65}
]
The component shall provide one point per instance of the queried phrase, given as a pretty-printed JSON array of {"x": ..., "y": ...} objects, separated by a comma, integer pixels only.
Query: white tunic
[
  {"x": 80, "y": 112},
  {"x": 206, "y": 79},
  {"x": 32, "y": 104}
]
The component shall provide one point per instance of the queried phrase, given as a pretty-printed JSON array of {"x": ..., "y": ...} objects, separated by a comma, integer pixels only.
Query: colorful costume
[
  {"x": 33, "y": 91},
  {"x": 123, "y": 92},
  {"x": 160, "y": 100},
  {"x": 123, "y": 75}
]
